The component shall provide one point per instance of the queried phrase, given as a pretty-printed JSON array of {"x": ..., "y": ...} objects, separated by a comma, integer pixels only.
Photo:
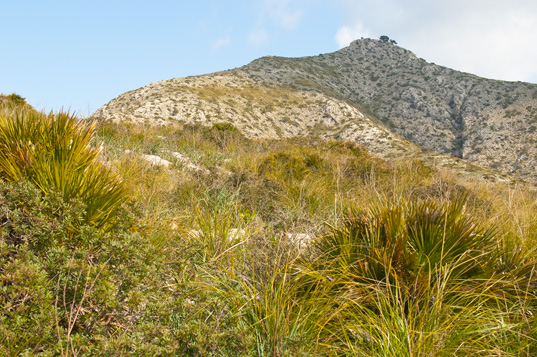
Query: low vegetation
[
  {"x": 292, "y": 247},
  {"x": 53, "y": 153}
]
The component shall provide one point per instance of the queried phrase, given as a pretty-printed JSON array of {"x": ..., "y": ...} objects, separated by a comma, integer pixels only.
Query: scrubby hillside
[
  {"x": 373, "y": 93},
  {"x": 257, "y": 110},
  {"x": 226, "y": 245},
  {"x": 13, "y": 101},
  {"x": 482, "y": 120}
]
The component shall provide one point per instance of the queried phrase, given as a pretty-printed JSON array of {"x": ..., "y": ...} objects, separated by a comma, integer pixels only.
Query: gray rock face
[
  {"x": 374, "y": 93},
  {"x": 486, "y": 121}
]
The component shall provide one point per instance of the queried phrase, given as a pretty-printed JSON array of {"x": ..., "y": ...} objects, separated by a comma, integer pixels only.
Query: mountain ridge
[{"x": 365, "y": 92}]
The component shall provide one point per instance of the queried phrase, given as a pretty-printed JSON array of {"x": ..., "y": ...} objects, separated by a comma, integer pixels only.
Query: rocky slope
[
  {"x": 258, "y": 111},
  {"x": 374, "y": 93},
  {"x": 486, "y": 121}
]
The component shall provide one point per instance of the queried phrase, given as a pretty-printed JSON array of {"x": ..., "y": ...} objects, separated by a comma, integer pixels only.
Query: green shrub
[
  {"x": 288, "y": 165},
  {"x": 54, "y": 153},
  {"x": 13, "y": 102},
  {"x": 406, "y": 241},
  {"x": 63, "y": 291},
  {"x": 224, "y": 127}
]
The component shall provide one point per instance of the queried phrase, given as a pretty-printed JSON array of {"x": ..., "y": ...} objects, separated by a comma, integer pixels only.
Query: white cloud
[
  {"x": 221, "y": 42},
  {"x": 258, "y": 37},
  {"x": 282, "y": 13},
  {"x": 346, "y": 34},
  {"x": 491, "y": 38},
  {"x": 275, "y": 14}
]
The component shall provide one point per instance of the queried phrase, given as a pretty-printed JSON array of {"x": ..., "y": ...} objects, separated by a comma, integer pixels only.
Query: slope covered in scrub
[{"x": 259, "y": 246}]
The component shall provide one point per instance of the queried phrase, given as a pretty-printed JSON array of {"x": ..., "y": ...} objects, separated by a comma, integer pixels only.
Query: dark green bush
[{"x": 62, "y": 289}]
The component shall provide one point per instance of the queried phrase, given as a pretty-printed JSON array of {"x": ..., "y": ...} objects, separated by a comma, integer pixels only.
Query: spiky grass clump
[
  {"x": 409, "y": 240},
  {"x": 54, "y": 153},
  {"x": 420, "y": 278},
  {"x": 446, "y": 318},
  {"x": 267, "y": 301}
]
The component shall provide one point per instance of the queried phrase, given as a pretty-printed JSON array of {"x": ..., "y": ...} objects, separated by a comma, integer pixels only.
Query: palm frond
[{"x": 54, "y": 153}]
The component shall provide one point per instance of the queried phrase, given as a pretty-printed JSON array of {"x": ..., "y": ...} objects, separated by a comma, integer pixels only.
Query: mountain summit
[{"x": 372, "y": 92}]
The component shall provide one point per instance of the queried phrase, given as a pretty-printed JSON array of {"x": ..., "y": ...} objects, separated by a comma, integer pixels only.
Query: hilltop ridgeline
[{"x": 371, "y": 92}]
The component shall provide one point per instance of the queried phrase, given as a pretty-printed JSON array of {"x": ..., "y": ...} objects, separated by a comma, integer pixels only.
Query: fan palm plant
[
  {"x": 54, "y": 153},
  {"x": 418, "y": 278},
  {"x": 444, "y": 234},
  {"x": 406, "y": 241},
  {"x": 366, "y": 245}
]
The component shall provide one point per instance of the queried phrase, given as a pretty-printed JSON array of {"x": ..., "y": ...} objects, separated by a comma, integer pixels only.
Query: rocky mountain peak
[
  {"x": 381, "y": 91},
  {"x": 368, "y": 46}
]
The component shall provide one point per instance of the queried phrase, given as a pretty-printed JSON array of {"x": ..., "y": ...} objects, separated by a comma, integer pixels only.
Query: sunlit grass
[
  {"x": 398, "y": 258},
  {"x": 54, "y": 153},
  {"x": 432, "y": 275}
]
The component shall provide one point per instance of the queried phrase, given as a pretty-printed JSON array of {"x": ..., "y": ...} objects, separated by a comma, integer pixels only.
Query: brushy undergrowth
[
  {"x": 53, "y": 152},
  {"x": 244, "y": 247}
]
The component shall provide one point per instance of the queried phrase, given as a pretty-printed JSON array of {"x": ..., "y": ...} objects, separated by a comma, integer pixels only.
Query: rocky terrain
[
  {"x": 225, "y": 221},
  {"x": 258, "y": 111},
  {"x": 374, "y": 93}
]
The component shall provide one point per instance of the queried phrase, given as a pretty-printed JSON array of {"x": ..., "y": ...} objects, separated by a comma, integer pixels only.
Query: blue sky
[{"x": 80, "y": 54}]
